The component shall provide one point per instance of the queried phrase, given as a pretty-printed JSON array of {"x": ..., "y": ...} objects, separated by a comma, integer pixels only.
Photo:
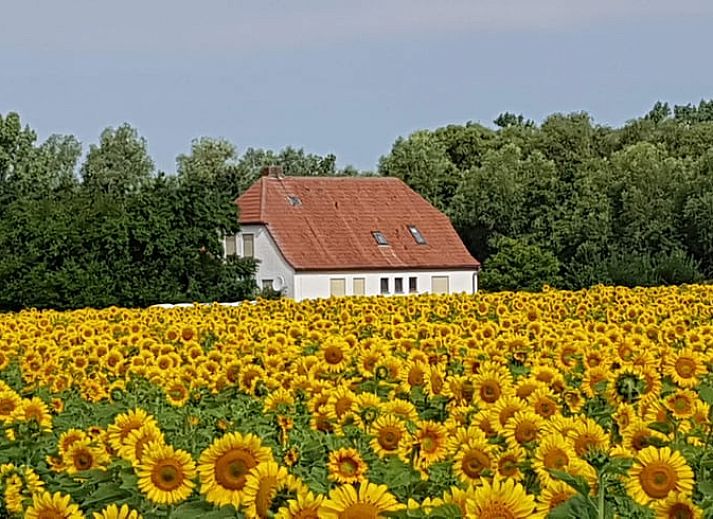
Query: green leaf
[
  {"x": 576, "y": 482},
  {"x": 706, "y": 394},
  {"x": 662, "y": 427}
]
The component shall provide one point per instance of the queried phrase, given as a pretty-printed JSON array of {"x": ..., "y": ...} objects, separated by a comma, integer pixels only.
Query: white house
[{"x": 336, "y": 236}]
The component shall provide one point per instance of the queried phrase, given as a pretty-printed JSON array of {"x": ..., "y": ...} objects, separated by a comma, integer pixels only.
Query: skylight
[
  {"x": 417, "y": 235},
  {"x": 380, "y": 238}
]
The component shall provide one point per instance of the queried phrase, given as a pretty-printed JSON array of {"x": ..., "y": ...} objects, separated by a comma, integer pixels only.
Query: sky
[{"x": 341, "y": 77}]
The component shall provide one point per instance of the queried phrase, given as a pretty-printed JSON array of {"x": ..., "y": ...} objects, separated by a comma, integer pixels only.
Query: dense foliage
[
  {"x": 629, "y": 206},
  {"x": 590, "y": 404},
  {"x": 565, "y": 203}
]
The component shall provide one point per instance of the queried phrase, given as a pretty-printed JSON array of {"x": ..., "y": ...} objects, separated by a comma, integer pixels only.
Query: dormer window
[
  {"x": 380, "y": 238},
  {"x": 417, "y": 235}
]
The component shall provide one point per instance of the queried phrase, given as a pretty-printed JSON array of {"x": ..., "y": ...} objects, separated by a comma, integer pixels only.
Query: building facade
[{"x": 318, "y": 237}]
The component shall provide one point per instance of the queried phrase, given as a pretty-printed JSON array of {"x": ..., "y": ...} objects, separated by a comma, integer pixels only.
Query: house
[{"x": 335, "y": 236}]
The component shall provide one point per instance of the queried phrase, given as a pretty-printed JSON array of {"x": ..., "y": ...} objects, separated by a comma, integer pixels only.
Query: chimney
[{"x": 272, "y": 172}]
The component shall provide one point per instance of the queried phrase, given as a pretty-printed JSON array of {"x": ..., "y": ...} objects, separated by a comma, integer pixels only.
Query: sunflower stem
[{"x": 600, "y": 505}]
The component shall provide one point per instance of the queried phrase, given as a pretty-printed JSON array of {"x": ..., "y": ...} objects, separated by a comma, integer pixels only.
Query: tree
[
  {"x": 422, "y": 162},
  {"x": 119, "y": 165},
  {"x": 518, "y": 265}
]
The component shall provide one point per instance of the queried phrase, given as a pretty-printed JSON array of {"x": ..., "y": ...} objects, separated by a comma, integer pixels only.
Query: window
[
  {"x": 359, "y": 286},
  {"x": 230, "y": 245},
  {"x": 384, "y": 285},
  {"x": 417, "y": 235},
  {"x": 248, "y": 245},
  {"x": 294, "y": 200},
  {"x": 399, "y": 285},
  {"x": 412, "y": 285},
  {"x": 337, "y": 287},
  {"x": 439, "y": 284},
  {"x": 380, "y": 238},
  {"x": 267, "y": 284}
]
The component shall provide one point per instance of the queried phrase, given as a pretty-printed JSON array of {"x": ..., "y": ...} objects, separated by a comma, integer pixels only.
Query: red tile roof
[{"x": 329, "y": 225}]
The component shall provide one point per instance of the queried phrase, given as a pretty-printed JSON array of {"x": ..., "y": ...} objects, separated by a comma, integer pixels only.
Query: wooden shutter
[
  {"x": 337, "y": 287},
  {"x": 439, "y": 284},
  {"x": 248, "y": 245}
]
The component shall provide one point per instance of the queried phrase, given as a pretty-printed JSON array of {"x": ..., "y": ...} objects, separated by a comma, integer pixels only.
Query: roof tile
[{"x": 331, "y": 228}]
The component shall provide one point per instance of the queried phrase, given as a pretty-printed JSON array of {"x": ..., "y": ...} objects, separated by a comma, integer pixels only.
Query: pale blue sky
[{"x": 341, "y": 77}]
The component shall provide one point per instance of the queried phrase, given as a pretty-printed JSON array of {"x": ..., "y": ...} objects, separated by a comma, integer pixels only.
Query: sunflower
[
  {"x": 82, "y": 455},
  {"x": 333, "y": 354},
  {"x": 508, "y": 463},
  {"x": 346, "y": 466},
  {"x": 500, "y": 499},
  {"x": 368, "y": 503},
  {"x": 177, "y": 394},
  {"x": 33, "y": 410},
  {"x": 390, "y": 437},
  {"x": 459, "y": 497},
  {"x": 166, "y": 474},
  {"x": 125, "y": 423},
  {"x": 637, "y": 436},
  {"x": 504, "y": 409},
  {"x": 341, "y": 401},
  {"x": 67, "y": 439},
  {"x": 492, "y": 384},
  {"x": 431, "y": 441},
  {"x": 458, "y": 436},
  {"x": 305, "y": 506},
  {"x": 136, "y": 442},
  {"x": 552, "y": 452},
  {"x": 677, "y": 506},
  {"x": 543, "y": 402},
  {"x": 681, "y": 403},
  {"x": 588, "y": 435},
  {"x": 685, "y": 367},
  {"x": 472, "y": 459},
  {"x": 114, "y": 512},
  {"x": 658, "y": 473},
  {"x": 553, "y": 495},
  {"x": 46, "y": 505},
  {"x": 223, "y": 467},
  {"x": 262, "y": 485},
  {"x": 414, "y": 373},
  {"x": 402, "y": 409},
  {"x": 523, "y": 428}
]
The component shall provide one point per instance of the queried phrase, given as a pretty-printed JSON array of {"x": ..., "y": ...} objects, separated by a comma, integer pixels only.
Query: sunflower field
[{"x": 589, "y": 404}]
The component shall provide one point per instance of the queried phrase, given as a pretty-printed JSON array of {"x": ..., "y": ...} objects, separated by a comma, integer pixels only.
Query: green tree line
[
  {"x": 567, "y": 203},
  {"x": 570, "y": 203},
  {"x": 106, "y": 228}
]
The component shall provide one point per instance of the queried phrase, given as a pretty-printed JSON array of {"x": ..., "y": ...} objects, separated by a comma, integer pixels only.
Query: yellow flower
[
  {"x": 82, "y": 455},
  {"x": 305, "y": 506},
  {"x": 114, "y": 512},
  {"x": 46, "y": 505},
  {"x": 263, "y": 484},
  {"x": 346, "y": 466},
  {"x": 657, "y": 473},
  {"x": 677, "y": 505},
  {"x": 390, "y": 437},
  {"x": 223, "y": 467},
  {"x": 368, "y": 503},
  {"x": 523, "y": 428},
  {"x": 472, "y": 459},
  {"x": 166, "y": 474},
  {"x": 501, "y": 499},
  {"x": 553, "y": 495}
]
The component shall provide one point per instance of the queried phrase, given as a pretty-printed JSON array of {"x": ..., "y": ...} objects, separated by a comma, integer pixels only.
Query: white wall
[
  {"x": 272, "y": 264},
  {"x": 313, "y": 285}
]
